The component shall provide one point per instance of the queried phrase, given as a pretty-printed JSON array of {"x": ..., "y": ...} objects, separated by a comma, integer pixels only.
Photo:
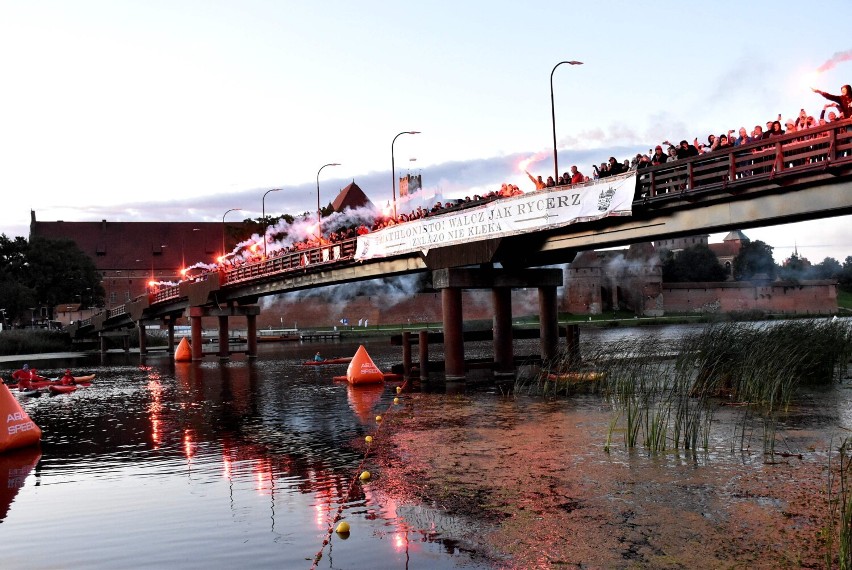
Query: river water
[{"x": 248, "y": 464}]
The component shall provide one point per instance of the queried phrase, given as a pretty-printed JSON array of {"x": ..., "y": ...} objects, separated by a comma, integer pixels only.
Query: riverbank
[{"x": 538, "y": 490}]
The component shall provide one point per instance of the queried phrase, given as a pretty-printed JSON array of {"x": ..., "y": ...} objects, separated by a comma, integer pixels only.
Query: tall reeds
[{"x": 664, "y": 393}]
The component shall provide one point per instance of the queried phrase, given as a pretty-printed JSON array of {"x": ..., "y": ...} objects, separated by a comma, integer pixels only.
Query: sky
[{"x": 179, "y": 110}]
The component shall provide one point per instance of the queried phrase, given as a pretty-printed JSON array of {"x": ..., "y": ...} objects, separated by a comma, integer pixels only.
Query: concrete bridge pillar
[
  {"x": 195, "y": 340},
  {"x": 406, "y": 353},
  {"x": 143, "y": 341},
  {"x": 572, "y": 338},
  {"x": 251, "y": 334},
  {"x": 423, "y": 350},
  {"x": 170, "y": 325},
  {"x": 451, "y": 307},
  {"x": 548, "y": 322},
  {"x": 504, "y": 357},
  {"x": 224, "y": 337},
  {"x": 103, "y": 344}
]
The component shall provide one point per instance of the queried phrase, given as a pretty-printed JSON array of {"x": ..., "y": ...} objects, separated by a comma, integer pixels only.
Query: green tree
[
  {"x": 828, "y": 268},
  {"x": 60, "y": 273},
  {"x": 844, "y": 278},
  {"x": 16, "y": 293},
  {"x": 696, "y": 263},
  {"x": 754, "y": 260},
  {"x": 795, "y": 268}
]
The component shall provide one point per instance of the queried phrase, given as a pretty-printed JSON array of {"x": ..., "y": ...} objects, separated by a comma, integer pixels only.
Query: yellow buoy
[
  {"x": 396, "y": 400},
  {"x": 343, "y": 528},
  {"x": 378, "y": 418},
  {"x": 365, "y": 476},
  {"x": 399, "y": 389},
  {"x": 369, "y": 439}
]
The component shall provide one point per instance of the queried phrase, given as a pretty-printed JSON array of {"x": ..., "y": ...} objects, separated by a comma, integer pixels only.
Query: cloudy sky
[{"x": 182, "y": 109}]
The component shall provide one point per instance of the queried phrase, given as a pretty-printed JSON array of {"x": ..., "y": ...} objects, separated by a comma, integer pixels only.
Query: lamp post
[
  {"x": 393, "y": 167},
  {"x": 223, "y": 227},
  {"x": 553, "y": 116},
  {"x": 263, "y": 213},
  {"x": 319, "y": 212}
]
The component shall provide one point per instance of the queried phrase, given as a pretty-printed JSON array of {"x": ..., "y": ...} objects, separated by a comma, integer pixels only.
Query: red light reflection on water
[
  {"x": 155, "y": 408},
  {"x": 189, "y": 444}
]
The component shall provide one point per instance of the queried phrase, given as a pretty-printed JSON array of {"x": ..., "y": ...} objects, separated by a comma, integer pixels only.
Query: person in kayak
[
  {"x": 318, "y": 357},
  {"x": 67, "y": 379},
  {"x": 24, "y": 374}
]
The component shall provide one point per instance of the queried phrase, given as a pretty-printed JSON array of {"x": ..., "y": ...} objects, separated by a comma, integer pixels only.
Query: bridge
[{"x": 793, "y": 177}]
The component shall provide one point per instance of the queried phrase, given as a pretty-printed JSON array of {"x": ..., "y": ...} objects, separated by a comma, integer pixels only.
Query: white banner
[{"x": 532, "y": 212}]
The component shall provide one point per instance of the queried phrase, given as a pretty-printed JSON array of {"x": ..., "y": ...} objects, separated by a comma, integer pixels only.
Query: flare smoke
[{"x": 839, "y": 57}]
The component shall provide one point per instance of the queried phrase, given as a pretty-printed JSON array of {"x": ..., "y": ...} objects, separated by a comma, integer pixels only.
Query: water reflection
[{"x": 15, "y": 467}]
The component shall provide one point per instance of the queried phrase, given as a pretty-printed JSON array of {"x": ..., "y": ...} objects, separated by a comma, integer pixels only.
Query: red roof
[{"x": 350, "y": 197}]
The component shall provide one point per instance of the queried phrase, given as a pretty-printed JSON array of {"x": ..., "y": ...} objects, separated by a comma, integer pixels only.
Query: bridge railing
[
  {"x": 814, "y": 148},
  {"x": 302, "y": 260}
]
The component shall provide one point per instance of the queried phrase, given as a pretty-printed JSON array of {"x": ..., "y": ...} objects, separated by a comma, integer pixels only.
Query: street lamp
[
  {"x": 393, "y": 167},
  {"x": 223, "y": 228},
  {"x": 319, "y": 212},
  {"x": 263, "y": 212},
  {"x": 553, "y": 116}
]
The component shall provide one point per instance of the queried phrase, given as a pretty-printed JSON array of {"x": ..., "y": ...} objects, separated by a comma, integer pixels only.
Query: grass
[
  {"x": 664, "y": 395},
  {"x": 33, "y": 342},
  {"x": 844, "y": 299}
]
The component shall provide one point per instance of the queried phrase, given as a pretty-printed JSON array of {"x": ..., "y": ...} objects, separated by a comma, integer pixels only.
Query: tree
[
  {"x": 828, "y": 268},
  {"x": 845, "y": 276},
  {"x": 795, "y": 268},
  {"x": 754, "y": 260},
  {"x": 696, "y": 263},
  {"x": 59, "y": 272}
]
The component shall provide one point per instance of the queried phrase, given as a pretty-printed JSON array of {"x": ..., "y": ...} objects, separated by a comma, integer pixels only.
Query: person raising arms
[{"x": 844, "y": 100}]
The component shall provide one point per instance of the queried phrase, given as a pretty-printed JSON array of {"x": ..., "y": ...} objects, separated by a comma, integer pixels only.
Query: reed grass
[
  {"x": 664, "y": 395},
  {"x": 838, "y": 535},
  {"x": 14, "y": 342}
]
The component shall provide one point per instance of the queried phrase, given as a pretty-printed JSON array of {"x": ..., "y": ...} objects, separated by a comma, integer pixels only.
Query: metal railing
[{"x": 801, "y": 151}]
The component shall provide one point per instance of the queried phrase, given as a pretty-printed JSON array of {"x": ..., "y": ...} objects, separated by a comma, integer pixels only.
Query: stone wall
[{"x": 805, "y": 297}]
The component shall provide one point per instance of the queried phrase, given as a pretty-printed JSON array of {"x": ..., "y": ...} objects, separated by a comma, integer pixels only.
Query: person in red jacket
[{"x": 67, "y": 379}]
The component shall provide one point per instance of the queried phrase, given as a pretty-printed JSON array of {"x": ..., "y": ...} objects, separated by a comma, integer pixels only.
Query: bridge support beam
[
  {"x": 548, "y": 321},
  {"x": 170, "y": 325},
  {"x": 572, "y": 338},
  {"x": 504, "y": 356},
  {"x": 251, "y": 334},
  {"x": 224, "y": 337},
  {"x": 143, "y": 341},
  {"x": 423, "y": 353},
  {"x": 195, "y": 340},
  {"x": 452, "y": 281},
  {"x": 451, "y": 308},
  {"x": 406, "y": 354}
]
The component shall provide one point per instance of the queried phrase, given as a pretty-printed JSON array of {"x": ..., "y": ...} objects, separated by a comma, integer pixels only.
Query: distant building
[
  {"x": 350, "y": 197},
  {"x": 409, "y": 184},
  {"x": 129, "y": 254}
]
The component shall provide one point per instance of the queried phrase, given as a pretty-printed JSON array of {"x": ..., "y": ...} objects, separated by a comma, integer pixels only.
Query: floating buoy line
[{"x": 342, "y": 528}]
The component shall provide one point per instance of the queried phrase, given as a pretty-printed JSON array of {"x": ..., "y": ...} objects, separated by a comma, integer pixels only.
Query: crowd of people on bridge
[{"x": 838, "y": 108}]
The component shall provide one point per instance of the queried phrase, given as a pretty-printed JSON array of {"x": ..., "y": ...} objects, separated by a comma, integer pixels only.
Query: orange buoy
[
  {"x": 362, "y": 369},
  {"x": 16, "y": 428},
  {"x": 183, "y": 352}
]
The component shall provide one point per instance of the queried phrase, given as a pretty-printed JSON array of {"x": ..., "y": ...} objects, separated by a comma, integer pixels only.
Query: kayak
[
  {"x": 588, "y": 376},
  {"x": 79, "y": 379},
  {"x": 35, "y": 384},
  {"x": 29, "y": 392},
  {"x": 342, "y": 360},
  {"x": 61, "y": 388}
]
